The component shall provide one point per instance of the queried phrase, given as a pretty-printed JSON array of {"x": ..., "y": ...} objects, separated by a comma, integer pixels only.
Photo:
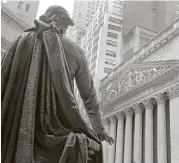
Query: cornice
[
  {"x": 16, "y": 22},
  {"x": 173, "y": 92},
  {"x": 5, "y": 43},
  {"x": 146, "y": 101},
  {"x": 145, "y": 51},
  {"x": 142, "y": 86}
]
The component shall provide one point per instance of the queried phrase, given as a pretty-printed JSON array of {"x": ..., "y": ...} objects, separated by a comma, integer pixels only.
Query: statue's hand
[{"x": 103, "y": 136}]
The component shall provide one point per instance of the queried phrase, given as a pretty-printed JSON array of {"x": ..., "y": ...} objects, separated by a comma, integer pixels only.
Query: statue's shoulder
[{"x": 72, "y": 45}]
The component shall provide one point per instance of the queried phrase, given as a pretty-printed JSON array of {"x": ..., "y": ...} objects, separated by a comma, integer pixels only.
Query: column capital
[
  {"x": 137, "y": 108},
  {"x": 120, "y": 115},
  {"x": 129, "y": 112},
  {"x": 160, "y": 98},
  {"x": 173, "y": 92},
  {"x": 148, "y": 103},
  {"x": 105, "y": 121},
  {"x": 112, "y": 118}
]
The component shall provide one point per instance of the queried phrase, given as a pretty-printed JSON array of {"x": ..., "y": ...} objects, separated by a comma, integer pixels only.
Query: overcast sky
[{"x": 44, "y": 4}]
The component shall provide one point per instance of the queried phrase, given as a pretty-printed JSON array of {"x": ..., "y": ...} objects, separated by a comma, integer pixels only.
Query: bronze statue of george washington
[{"x": 40, "y": 118}]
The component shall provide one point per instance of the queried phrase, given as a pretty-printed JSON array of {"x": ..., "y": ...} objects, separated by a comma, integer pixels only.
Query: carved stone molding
[
  {"x": 140, "y": 54},
  {"x": 148, "y": 104},
  {"x": 125, "y": 90},
  {"x": 120, "y": 115},
  {"x": 160, "y": 98},
  {"x": 129, "y": 112},
  {"x": 105, "y": 122},
  {"x": 173, "y": 92},
  {"x": 112, "y": 118},
  {"x": 138, "y": 108}
]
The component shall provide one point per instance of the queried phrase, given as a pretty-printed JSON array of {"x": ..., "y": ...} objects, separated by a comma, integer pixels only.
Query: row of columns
[{"x": 123, "y": 149}]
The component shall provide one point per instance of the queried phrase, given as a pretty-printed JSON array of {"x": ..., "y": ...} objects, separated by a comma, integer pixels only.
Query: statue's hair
[{"x": 55, "y": 9}]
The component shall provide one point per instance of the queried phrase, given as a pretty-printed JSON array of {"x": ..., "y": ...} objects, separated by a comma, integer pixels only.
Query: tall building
[
  {"x": 26, "y": 10},
  {"x": 134, "y": 39},
  {"x": 177, "y": 8},
  {"x": 153, "y": 15},
  {"x": 102, "y": 42},
  {"x": 83, "y": 13}
]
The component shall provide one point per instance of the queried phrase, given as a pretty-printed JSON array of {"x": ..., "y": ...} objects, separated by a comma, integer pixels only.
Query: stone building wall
[{"x": 11, "y": 27}]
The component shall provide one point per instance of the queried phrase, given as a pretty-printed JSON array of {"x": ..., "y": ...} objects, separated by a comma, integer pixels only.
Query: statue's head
[{"x": 59, "y": 15}]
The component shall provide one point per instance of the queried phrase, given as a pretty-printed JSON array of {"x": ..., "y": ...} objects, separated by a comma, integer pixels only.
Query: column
[
  {"x": 111, "y": 152},
  {"x": 128, "y": 136},
  {"x": 161, "y": 130},
  {"x": 120, "y": 138},
  {"x": 138, "y": 134},
  {"x": 173, "y": 94},
  {"x": 104, "y": 143},
  {"x": 148, "y": 157}
]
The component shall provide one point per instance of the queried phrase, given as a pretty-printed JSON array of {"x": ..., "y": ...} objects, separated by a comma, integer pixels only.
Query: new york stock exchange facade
[{"x": 141, "y": 105}]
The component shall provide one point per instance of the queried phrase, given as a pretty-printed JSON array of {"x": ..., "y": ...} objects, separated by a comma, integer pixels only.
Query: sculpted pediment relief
[{"x": 134, "y": 75}]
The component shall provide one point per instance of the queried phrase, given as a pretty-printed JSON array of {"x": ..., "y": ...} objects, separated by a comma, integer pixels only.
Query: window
[
  {"x": 113, "y": 27},
  {"x": 177, "y": 12},
  {"x": 117, "y": 14},
  {"x": 142, "y": 33},
  {"x": 89, "y": 54},
  {"x": 100, "y": 14},
  {"x": 111, "y": 53},
  {"x": 20, "y": 4},
  {"x": 96, "y": 33},
  {"x": 127, "y": 54},
  {"x": 96, "y": 40},
  {"x": 128, "y": 37},
  {"x": 110, "y": 63},
  {"x": 93, "y": 66},
  {"x": 117, "y": 2},
  {"x": 84, "y": 46},
  {"x": 95, "y": 27},
  {"x": 93, "y": 74},
  {"x": 111, "y": 43},
  {"x": 94, "y": 58},
  {"x": 117, "y": 7},
  {"x": 112, "y": 35},
  {"x": 104, "y": 93},
  {"x": 88, "y": 59},
  {"x": 114, "y": 20},
  {"x": 95, "y": 49},
  {"x": 107, "y": 70},
  {"x": 27, "y": 7},
  {"x": 101, "y": 19},
  {"x": 143, "y": 40},
  {"x": 89, "y": 47}
]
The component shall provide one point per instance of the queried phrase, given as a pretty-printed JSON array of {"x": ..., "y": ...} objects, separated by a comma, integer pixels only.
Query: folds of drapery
[{"x": 36, "y": 118}]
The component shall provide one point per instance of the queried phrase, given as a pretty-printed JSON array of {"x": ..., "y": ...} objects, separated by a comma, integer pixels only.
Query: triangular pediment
[{"x": 135, "y": 75}]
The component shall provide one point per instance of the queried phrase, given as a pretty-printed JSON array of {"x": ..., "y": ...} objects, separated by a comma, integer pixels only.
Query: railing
[{"x": 144, "y": 51}]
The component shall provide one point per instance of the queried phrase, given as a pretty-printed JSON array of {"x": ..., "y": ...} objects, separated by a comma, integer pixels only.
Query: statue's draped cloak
[{"x": 40, "y": 118}]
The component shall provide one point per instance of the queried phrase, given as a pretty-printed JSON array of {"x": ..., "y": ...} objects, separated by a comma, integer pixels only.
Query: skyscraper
[
  {"x": 153, "y": 15},
  {"x": 102, "y": 42},
  {"x": 83, "y": 13}
]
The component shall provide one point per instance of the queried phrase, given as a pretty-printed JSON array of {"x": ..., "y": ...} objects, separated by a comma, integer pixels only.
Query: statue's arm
[{"x": 88, "y": 93}]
